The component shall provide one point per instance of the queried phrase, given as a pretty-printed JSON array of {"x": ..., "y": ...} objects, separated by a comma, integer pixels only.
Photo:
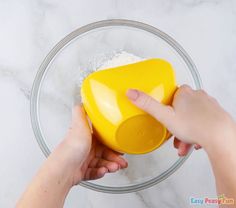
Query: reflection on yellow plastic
[
  {"x": 116, "y": 121},
  {"x": 101, "y": 91}
]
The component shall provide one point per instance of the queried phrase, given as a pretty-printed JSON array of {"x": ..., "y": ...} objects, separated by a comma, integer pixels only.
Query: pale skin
[{"x": 194, "y": 118}]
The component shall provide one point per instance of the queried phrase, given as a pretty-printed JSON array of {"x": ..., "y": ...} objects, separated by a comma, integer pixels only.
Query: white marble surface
[{"x": 29, "y": 29}]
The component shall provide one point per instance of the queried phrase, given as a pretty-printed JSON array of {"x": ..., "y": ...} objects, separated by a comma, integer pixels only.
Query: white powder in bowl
[
  {"x": 120, "y": 59},
  {"x": 104, "y": 62},
  {"x": 99, "y": 63}
]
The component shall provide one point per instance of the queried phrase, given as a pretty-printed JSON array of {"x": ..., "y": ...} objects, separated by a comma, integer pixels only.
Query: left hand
[
  {"x": 80, "y": 156},
  {"x": 88, "y": 159}
]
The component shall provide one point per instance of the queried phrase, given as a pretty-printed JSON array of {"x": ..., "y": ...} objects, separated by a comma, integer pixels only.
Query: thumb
[
  {"x": 162, "y": 113},
  {"x": 79, "y": 120}
]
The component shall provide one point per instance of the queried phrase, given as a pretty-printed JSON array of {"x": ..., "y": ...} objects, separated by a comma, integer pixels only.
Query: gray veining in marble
[{"x": 29, "y": 29}]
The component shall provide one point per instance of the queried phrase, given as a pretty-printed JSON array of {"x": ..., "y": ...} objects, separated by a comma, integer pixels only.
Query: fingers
[
  {"x": 197, "y": 146},
  {"x": 182, "y": 92},
  {"x": 107, "y": 154},
  {"x": 99, "y": 162},
  {"x": 112, "y": 156},
  {"x": 183, "y": 148},
  {"x": 99, "y": 167},
  {"x": 162, "y": 113},
  {"x": 95, "y": 173},
  {"x": 176, "y": 143},
  {"x": 185, "y": 87}
]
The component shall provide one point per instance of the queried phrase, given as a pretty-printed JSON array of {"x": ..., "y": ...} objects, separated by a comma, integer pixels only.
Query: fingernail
[
  {"x": 197, "y": 147},
  {"x": 132, "y": 94}
]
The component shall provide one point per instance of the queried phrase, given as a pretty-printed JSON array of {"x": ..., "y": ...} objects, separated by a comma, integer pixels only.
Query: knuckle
[
  {"x": 185, "y": 87},
  {"x": 202, "y": 93},
  {"x": 146, "y": 102},
  {"x": 183, "y": 91}
]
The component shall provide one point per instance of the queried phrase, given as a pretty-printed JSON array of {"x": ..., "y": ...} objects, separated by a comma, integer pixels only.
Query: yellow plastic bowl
[{"x": 116, "y": 121}]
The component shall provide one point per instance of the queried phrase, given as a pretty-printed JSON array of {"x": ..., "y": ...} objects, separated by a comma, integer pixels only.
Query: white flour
[
  {"x": 119, "y": 59},
  {"x": 103, "y": 62}
]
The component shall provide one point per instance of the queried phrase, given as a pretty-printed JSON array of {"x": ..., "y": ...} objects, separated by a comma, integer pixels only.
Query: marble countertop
[{"x": 29, "y": 29}]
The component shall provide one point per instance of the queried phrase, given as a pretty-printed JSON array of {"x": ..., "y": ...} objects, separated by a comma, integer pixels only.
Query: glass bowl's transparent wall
[{"x": 59, "y": 89}]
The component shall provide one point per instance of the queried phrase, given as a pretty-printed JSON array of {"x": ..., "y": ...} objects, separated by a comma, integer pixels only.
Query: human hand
[
  {"x": 193, "y": 118},
  {"x": 80, "y": 156},
  {"x": 86, "y": 157}
]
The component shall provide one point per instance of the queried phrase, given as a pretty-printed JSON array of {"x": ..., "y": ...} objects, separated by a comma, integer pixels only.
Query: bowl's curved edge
[{"x": 42, "y": 72}]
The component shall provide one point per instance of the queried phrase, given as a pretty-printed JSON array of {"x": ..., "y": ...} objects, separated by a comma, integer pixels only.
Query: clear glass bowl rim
[{"x": 35, "y": 92}]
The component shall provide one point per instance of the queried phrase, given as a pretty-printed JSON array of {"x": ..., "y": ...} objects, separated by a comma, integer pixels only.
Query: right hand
[{"x": 194, "y": 117}]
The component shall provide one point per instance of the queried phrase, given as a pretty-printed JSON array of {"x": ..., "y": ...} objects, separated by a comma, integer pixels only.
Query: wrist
[
  {"x": 57, "y": 168},
  {"x": 222, "y": 141},
  {"x": 68, "y": 160},
  {"x": 63, "y": 164}
]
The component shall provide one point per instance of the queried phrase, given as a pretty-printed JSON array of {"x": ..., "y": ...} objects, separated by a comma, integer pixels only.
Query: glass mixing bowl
[{"x": 57, "y": 86}]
